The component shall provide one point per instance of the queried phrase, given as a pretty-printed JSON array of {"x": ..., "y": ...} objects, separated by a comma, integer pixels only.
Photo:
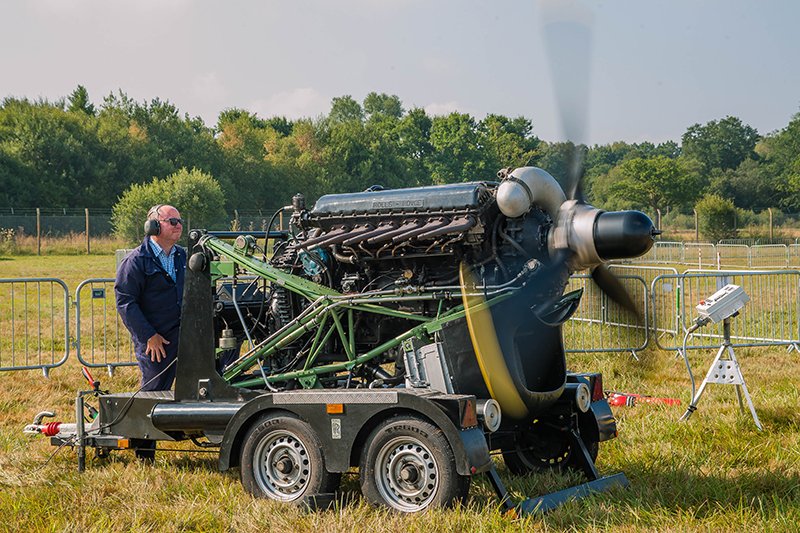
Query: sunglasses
[{"x": 173, "y": 221}]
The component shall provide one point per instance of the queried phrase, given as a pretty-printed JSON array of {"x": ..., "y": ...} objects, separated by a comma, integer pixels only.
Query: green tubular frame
[{"x": 329, "y": 312}]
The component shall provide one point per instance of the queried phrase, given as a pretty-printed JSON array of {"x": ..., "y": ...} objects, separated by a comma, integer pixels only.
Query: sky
[{"x": 590, "y": 71}]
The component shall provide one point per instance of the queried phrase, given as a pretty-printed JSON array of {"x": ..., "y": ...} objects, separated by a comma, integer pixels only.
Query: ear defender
[{"x": 152, "y": 226}]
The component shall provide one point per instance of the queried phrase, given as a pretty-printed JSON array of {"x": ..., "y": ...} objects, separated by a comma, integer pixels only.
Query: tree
[
  {"x": 556, "y": 159},
  {"x": 781, "y": 154},
  {"x": 280, "y": 124},
  {"x": 509, "y": 142},
  {"x": 345, "y": 109},
  {"x": 413, "y": 141},
  {"x": 716, "y": 217},
  {"x": 197, "y": 196},
  {"x": 297, "y": 161},
  {"x": 656, "y": 183},
  {"x": 16, "y": 179},
  {"x": 346, "y": 157},
  {"x": 61, "y": 152},
  {"x": 357, "y": 153},
  {"x": 382, "y": 104},
  {"x": 79, "y": 101},
  {"x": 245, "y": 175},
  {"x": 458, "y": 155},
  {"x": 750, "y": 186},
  {"x": 722, "y": 144}
]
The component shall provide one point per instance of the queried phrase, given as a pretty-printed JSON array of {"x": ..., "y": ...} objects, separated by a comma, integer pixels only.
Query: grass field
[{"x": 716, "y": 472}]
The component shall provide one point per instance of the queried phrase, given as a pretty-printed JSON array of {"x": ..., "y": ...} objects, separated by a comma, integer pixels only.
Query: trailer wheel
[
  {"x": 544, "y": 449},
  {"x": 282, "y": 460},
  {"x": 408, "y": 465}
]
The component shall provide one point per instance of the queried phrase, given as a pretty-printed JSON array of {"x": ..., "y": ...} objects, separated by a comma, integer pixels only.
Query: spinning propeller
[{"x": 581, "y": 236}]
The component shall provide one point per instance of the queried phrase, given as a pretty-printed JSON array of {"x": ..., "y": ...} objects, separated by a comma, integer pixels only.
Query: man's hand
[{"x": 155, "y": 348}]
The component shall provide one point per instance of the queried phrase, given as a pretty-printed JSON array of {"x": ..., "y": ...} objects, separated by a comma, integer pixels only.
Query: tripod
[{"x": 725, "y": 372}]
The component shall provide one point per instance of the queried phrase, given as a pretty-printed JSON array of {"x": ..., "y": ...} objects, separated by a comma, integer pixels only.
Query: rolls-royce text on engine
[{"x": 407, "y": 332}]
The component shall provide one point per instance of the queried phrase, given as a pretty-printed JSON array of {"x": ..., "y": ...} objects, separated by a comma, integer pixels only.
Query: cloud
[
  {"x": 442, "y": 108},
  {"x": 297, "y": 103}
]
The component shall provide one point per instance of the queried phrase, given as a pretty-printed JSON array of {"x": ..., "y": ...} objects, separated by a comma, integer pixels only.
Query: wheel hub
[
  {"x": 285, "y": 465},
  {"x": 282, "y": 468},
  {"x": 407, "y": 474}
]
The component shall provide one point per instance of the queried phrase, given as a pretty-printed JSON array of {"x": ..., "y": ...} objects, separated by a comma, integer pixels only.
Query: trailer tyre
[
  {"x": 282, "y": 460},
  {"x": 408, "y": 465}
]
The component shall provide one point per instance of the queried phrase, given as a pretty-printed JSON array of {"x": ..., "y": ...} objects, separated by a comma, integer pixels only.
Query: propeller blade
[
  {"x": 567, "y": 31},
  {"x": 575, "y": 170},
  {"x": 486, "y": 344},
  {"x": 612, "y": 286}
]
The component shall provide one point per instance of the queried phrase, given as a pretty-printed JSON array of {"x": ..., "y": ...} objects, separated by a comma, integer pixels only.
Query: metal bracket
[
  {"x": 549, "y": 502},
  {"x": 725, "y": 372}
]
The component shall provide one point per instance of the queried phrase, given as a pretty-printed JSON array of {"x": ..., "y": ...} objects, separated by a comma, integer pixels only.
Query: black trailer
[
  {"x": 415, "y": 447},
  {"x": 408, "y": 333}
]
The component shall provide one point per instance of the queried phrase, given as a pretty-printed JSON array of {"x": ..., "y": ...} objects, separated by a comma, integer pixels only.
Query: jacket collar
[{"x": 146, "y": 251}]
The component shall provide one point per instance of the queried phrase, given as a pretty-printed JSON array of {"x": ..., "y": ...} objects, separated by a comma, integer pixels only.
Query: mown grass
[{"x": 715, "y": 472}]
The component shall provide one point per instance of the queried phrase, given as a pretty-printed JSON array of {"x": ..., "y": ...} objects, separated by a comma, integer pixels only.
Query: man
[{"x": 149, "y": 292}]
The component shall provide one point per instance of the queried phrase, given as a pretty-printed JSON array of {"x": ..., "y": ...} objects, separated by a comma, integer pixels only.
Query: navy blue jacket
[{"x": 148, "y": 301}]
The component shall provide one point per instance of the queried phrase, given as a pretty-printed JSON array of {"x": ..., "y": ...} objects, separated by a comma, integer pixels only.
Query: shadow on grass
[
  {"x": 670, "y": 488},
  {"x": 779, "y": 418},
  {"x": 658, "y": 492}
]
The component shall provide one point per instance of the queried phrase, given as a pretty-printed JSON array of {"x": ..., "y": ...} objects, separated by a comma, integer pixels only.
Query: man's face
[{"x": 169, "y": 234}]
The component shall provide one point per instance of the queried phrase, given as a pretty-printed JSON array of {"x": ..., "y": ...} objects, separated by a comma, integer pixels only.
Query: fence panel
[
  {"x": 668, "y": 252},
  {"x": 34, "y": 324},
  {"x": 702, "y": 254},
  {"x": 733, "y": 255},
  {"x": 102, "y": 340},
  {"x": 769, "y": 255},
  {"x": 650, "y": 257},
  {"x": 600, "y": 325},
  {"x": 794, "y": 255},
  {"x": 648, "y": 274},
  {"x": 770, "y": 317}
]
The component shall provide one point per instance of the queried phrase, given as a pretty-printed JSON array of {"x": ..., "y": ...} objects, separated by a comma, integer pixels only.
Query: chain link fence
[{"x": 57, "y": 222}]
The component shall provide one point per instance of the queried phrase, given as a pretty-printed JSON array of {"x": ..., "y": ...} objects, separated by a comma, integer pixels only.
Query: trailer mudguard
[{"x": 598, "y": 422}]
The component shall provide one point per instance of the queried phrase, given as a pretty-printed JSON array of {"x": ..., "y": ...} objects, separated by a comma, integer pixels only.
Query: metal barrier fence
[
  {"x": 734, "y": 255},
  {"x": 668, "y": 252},
  {"x": 769, "y": 255},
  {"x": 600, "y": 325},
  {"x": 648, "y": 274},
  {"x": 706, "y": 255},
  {"x": 101, "y": 338},
  {"x": 35, "y": 329},
  {"x": 34, "y": 324},
  {"x": 769, "y": 319},
  {"x": 702, "y": 254}
]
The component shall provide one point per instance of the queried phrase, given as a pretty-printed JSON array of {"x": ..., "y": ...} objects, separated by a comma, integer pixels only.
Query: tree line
[{"x": 72, "y": 153}]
